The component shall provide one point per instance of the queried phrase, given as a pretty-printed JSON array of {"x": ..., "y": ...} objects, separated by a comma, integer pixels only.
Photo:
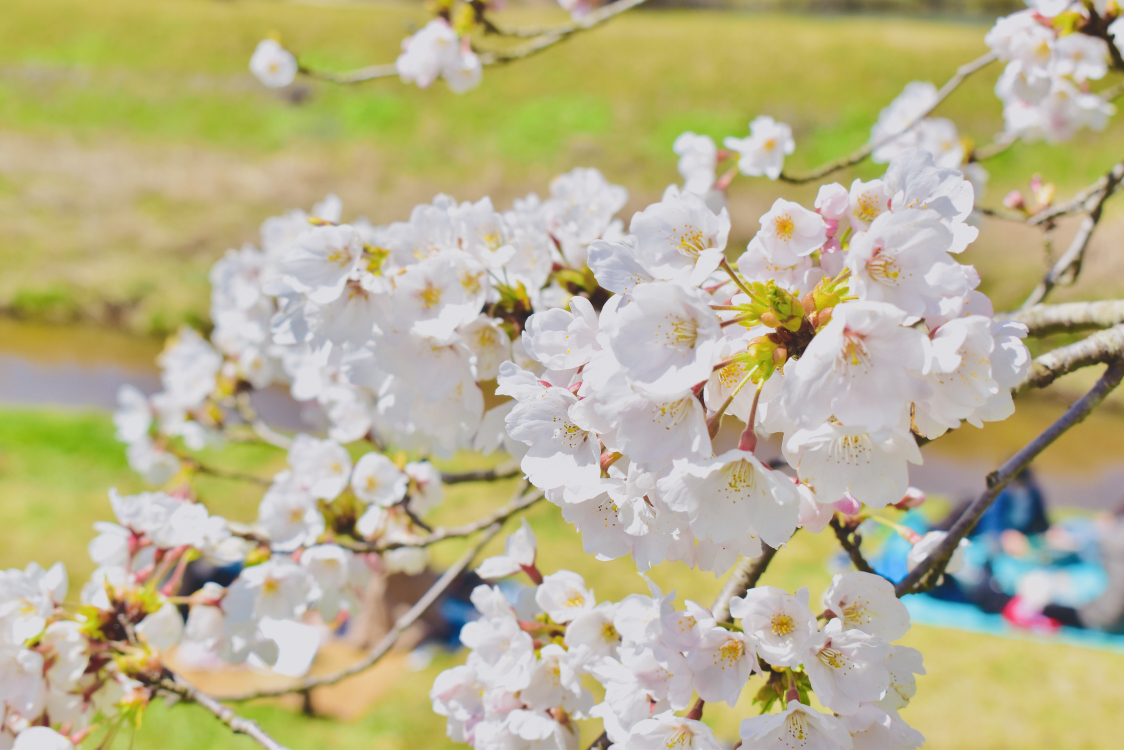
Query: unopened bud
[
  {"x": 847, "y": 505},
  {"x": 913, "y": 498},
  {"x": 808, "y": 303},
  {"x": 608, "y": 459},
  {"x": 769, "y": 318},
  {"x": 1015, "y": 201},
  {"x": 820, "y": 318},
  {"x": 780, "y": 356}
]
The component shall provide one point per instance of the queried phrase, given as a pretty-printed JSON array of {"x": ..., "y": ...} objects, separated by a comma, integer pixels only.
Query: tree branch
[
  {"x": 383, "y": 646},
  {"x": 1043, "y": 320},
  {"x": 962, "y": 74},
  {"x": 744, "y": 577},
  {"x": 440, "y": 534},
  {"x": 1070, "y": 262},
  {"x": 929, "y": 571},
  {"x": 850, "y": 540},
  {"x": 544, "y": 39},
  {"x": 1103, "y": 346},
  {"x": 506, "y": 471},
  {"x": 175, "y": 685}
]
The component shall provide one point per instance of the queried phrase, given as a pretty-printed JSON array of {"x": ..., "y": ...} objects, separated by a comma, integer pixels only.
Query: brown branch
[
  {"x": 1043, "y": 320},
  {"x": 744, "y": 577},
  {"x": 962, "y": 73},
  {"x": 1068, "y": 267},
  {"x": 850, "y": 540},
  {"x": 544, "y": 39},
  {"x": 1084, "y": 200},
  {"x": 1103, "y": 346},
  {"x": 383, "y": 646},
  {"x": 440, "y": 534},
  {"x": 173, "y": 684},
  {"x": 928, "y": 573}
]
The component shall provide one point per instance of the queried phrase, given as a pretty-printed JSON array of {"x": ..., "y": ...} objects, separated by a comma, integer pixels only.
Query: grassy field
[
  {"x": 55, "y": 468},
  {"x": 135, "y": 147}
]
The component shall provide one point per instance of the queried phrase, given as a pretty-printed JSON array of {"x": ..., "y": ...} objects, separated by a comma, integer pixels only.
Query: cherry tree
[{"x": 627, "y": 372}]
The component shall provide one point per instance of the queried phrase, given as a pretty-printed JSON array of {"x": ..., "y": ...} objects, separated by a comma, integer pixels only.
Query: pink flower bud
[{"x": 847, "y": 505}]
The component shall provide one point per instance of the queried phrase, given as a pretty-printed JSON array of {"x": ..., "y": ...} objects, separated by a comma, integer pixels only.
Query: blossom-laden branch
[
  {"x": 1068, "y": 266},
  {"x": 928, "y": 573},
  {"x": 1103, "y": 346},
  {"x": 1043, "y": 320},
  {"x": 176, "y": 685},
  {"x": 861, "y": 154},
  {"x": 400, "y": 626},
  {"x": 541, "y": 39},
  {"x": 850, "y": 540}
]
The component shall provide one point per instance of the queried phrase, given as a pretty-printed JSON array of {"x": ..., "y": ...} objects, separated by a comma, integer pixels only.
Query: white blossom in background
[
  {"x": 436, "y": 51},
  {"x": 273, "y": 65},
  {"x": 763, "y": 152}
]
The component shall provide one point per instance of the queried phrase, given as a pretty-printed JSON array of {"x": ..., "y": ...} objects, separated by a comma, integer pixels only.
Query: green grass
[
  {"x": 55, "y": 468},
  {"x": 135, "y": 147}
]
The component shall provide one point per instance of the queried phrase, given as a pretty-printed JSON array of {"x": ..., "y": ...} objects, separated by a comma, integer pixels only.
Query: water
[{"x": 80, "y": 367}]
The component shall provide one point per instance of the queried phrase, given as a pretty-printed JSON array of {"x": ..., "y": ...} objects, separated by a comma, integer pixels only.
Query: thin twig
[
  {"x": 506, "y": 471},
  {"x": 545, "y": 39},
  {"x": 851, "y": 545},
  {"x": 1069, "y": 265},
  {"x": 1081, "y": 201},
  {"x": 930, "y": 570},
  {"x": 212, "y": 471},
  {"x": 744, "y": 577},
  {"x": 383, "y": 646},
  {"x": 962, "y": 73},
  {"x": 440, "y": 534},
  {"x": 176, "y": 685}
]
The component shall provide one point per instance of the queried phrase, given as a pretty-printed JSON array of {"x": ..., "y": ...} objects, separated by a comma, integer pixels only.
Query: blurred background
[{"x": 136, "y": 148}]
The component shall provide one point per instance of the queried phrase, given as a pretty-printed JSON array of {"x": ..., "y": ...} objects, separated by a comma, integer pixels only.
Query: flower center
[
  {"x": 784, "y": 227},
  {"x": 783, "y": 624}
]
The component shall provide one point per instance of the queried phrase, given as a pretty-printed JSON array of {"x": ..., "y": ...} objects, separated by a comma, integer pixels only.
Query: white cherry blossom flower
[
  {"x": 867, "y": 602},
  {"x": 796, "y": 728},
  {"x": 272, "y": 64},
  {"x": 732, "y": 495},
  {"x": 666, "y": 339},
  {"x": 721, "y": 663},
  {"x": 561, "y": 340},
  {"x": 860, "y": 368},
  {"x": 680, "y": 237},
  {"x": 763, "y": 152},
  {"x": 846, "y": 667},
  {"x": 320, "y": 262},
  {"x": 790, "y": 232},
  {"x": 377, "y": 480},
  {"x": 563, "y": 596},
  {"x": 778, "y": 622},
  {"x": 698, "y": 158},
  {"x": 519, "y": 553},
  {"x": 667, "y": 731},
  {"x": 871, "y": 466}
]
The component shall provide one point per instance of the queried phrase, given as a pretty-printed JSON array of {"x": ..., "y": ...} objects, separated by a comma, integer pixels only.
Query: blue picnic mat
[{"x": 925, "y": 610}]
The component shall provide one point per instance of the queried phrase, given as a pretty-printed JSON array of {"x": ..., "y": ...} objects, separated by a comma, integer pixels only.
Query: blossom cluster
[
  {"x": 1050, "y": 63},
  {"x": 846, "y": 329},
  {"x": 530, "y": 659}
]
